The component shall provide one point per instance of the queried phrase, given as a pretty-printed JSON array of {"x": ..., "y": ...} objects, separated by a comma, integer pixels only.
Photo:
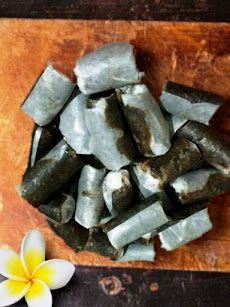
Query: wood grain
[
  {"x": 190, "y": 53},
  {"x": 194, "y": 10},
  {"x": 113, "y": 287}
]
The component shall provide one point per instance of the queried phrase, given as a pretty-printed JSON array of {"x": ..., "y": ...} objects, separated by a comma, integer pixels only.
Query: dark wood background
[
  {"x": 98, "y": 287},
  {"x": 195, "y": 10},
  {"x": 111, "y": 287}
]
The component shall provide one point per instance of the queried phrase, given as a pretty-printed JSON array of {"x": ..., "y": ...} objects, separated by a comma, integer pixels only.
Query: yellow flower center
[
  {"x": 33, "y": 258},
  {"x": 36, "y": 289}
]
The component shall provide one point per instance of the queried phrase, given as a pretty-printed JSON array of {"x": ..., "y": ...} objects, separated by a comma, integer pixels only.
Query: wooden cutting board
[{"x": 196, "y": 54}]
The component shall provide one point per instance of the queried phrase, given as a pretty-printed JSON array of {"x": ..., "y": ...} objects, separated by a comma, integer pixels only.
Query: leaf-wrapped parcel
[
  {"x": 50, "y": 173},
  {"x": 215, "y": 147},
  {"x": 109, "y": 67},
  {"x": 189, "y": 103},
  {"x": 117, "y": 191},
  {"x": 73, "y": 126},
  {"x": 147, "y": 123},
  {"x": 153, "y": 174},
  {"x": 137, "y": 221},
  {"x": 90, "y": 203},
  {"x": 48, "y": 96},
  {"x": 109, "y": 138},
  {"x": 186, "y": 230},
  {"x": 199, "y": 185}
]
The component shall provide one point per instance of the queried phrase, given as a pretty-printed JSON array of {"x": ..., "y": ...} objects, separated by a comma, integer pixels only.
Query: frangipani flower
[{"x": 30, "y": 275}]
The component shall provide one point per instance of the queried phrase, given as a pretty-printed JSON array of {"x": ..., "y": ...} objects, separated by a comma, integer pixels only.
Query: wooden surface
[
  {"x": 114, "y": 287},
  {"x": 195, "y": 10},
  {"x": 194, "y": 54}
]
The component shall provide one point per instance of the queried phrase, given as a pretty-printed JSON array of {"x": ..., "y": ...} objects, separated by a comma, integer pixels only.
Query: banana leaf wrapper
[
  {"x": 109, "y": 139},
  {"x": 137, "y": 221},
  {"x": 48, "y": 96},
  {"x": 117, "y": 191},
  {"x": 199, "y": 185},
  {"x": 153, "y": 174},
  {"x": 90, "y": 204},
  {"x": 189, "y": 103},
  {"x": 214, "y": 146},
  {"x": 185, "y": 230},
  {"x": 175, "y": 123},
  {"x": 72, "y": 233},
  {"x": 146, "y": 121},
  {"x": 111, "y": 66},
  {"x": 49, "y": 174},
  {"x": 138, "y": 251},
  {"x": 73, "y": 126},
  {"x": 43, "y": 140},
  {"x": 98, "y": 242},
  {"x": 61, "y": 209}
]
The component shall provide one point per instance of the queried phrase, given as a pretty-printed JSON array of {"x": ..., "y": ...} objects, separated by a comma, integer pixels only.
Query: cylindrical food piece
[
  {"x": 61, "y": 209},
  {"x": 180, "y": 213},
  {"x": 138, "y": 251},
  {"x": 147, "y": 123},
  {"x": 111, "y": 66},
  {"x": 50, "y": 173},
  {"x": 154, "y": 173},
  {"x": 137, "y": 221},
  {"x": 72, "y": 233},
  {"x": 117, "y": 191},
  {"x": 199, "y": 185},
  {"x": 48, "y": 96},
  {"x": 109, "y": 140},
  {"x": 186, "y": 230},
  {"x": 43, "y": 141},
  {"x": 73, "y": 127},
  {"x": 98, "y": 242},
  {"x": 189, "y": 103},
  {"x": 214, "y": 146},
  {"x": 90, "y": 203}
]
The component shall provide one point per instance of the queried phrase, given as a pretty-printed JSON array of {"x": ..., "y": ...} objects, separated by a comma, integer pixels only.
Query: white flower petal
[
  {"x": 11, "y": 291},
  {"x": 39, "y": 295},
  {"x": 32, "y": 251},
  {"x": 56, "y": 273},
  {"x": 11, "y": 265}
]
